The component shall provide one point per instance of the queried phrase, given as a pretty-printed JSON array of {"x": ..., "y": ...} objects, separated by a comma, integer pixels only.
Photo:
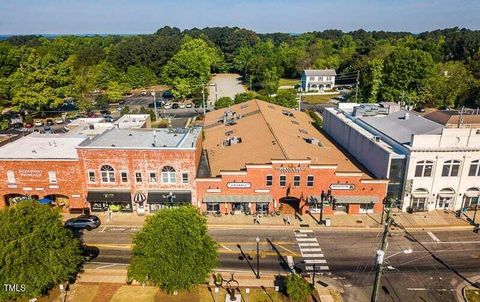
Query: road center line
[
  {"x": 105, "y": 266},
  {"x": 228, "y": 249}
]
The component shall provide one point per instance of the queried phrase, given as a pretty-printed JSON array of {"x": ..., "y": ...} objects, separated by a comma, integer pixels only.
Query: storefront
[
  {"x": 419, "y": 200},
  {"x": 157, "y": 200},
  {"x": 238, "y": 204},
  {"x": 471, "y": 198},
  {"x": 114, "y": 200},
  {"x": 446, "y": 198}
]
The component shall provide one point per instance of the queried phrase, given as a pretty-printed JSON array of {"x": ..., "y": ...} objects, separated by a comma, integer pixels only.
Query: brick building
[
  {"x": 140, "y": 170},
  {"x": 42, "y": 166},
  {"x": 265, "y": 158}
]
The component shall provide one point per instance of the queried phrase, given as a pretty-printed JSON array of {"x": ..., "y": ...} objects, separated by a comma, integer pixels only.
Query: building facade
[
  {"x": 317, "y": 80},
  {"x": 284, "y": 165},
  {"x": 429, "y": 166}
]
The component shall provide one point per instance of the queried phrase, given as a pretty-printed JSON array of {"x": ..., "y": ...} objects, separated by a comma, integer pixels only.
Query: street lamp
[
  {"x": 407, "y": 251},
  {"x": 257, "y": 240}
]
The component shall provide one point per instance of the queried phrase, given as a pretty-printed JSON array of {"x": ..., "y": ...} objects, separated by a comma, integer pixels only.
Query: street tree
[
  {"x": 298, "y": 289},
  {"x": 115, "y": 91},
  {"x": 36, "y": 250},
  {"x": 173, "y": 250},
  {"x": 141, "y": 76},
  {"x": 223, "y": 102}
]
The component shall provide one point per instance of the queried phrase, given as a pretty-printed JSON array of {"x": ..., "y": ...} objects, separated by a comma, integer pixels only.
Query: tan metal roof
[{"x": 268, "y": 132}]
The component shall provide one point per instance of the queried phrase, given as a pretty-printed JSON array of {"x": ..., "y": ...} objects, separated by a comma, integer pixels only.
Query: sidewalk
[{"x": 341, "y": 221}]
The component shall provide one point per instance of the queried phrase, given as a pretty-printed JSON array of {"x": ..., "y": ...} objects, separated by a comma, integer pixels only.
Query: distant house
[
  {"x": 467, "y": 118},
  {"x": 318, "y": 79}
]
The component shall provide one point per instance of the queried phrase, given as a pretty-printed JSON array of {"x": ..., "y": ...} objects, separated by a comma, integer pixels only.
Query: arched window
[
  {"x": 474, "y": 168},
  {"x": 168, "y": 175},
  {"x": 424, "y": 168},
  {"x": 451, "y": 168},
  {"x": 108, "y": 173}
]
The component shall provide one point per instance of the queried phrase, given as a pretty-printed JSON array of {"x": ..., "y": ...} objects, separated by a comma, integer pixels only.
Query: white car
[
  {"x": 182, "y": 105},
  {"x": 167, "y": 106},
  {"x": 58, "y": 121},
  {"x": 38, "y": 123}
]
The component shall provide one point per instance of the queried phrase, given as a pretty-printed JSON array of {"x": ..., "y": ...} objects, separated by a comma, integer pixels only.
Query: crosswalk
[{"x": 312, "y": 255}]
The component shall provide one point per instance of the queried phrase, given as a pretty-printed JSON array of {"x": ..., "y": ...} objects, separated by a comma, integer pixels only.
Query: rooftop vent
[
  {"x": 229, "y": 132},
  {"x": 244, "y": 106},
  {"x": 232, "y": 141},
  {"x": 303, "y": 131},
  {"x": 130, "y": 134},
  {"x": 271, "y": 107},
  {"x": 376, "y": 138},
  {"x": 295, "y": 122},
  {"x": 313, "y": 141},
  {"x": 287, "y": 113}
]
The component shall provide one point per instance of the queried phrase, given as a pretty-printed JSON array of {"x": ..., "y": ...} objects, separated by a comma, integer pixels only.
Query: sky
[{"x": 146, "y": 16}]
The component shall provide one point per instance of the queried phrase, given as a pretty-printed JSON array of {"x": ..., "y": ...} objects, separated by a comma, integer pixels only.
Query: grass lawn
[
  {"x": 472, "y": 295},
  {"x": 83, "y": 292},
  {"x": 318, "y": 99},
  {"x": 288, "y": 82},
  {"x": 128, "y": 293},
  {"x": 255, "y": 295}
]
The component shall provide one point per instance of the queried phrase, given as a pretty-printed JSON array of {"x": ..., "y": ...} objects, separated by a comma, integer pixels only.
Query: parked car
[
  {"x": 28, "y": 125},
  {"x": 175, "y": 106},
  {"x": 167, "y": 106},
  {"x": 48, "y": 129},
  {"x": 143, "y": 93},
  {"x": 88, "y": 222},
  {"x": 189, "y": 105},
  {"x": 159, "y": 104},
  {"x": 17, "y": 126},
  {"x": 49, "y": 122},
  {"x": 59, "y": 121},
  {"x": 38, "y": 123},
  {"x": 182, "y": 105},
  {"x": 167, "y": 95}
]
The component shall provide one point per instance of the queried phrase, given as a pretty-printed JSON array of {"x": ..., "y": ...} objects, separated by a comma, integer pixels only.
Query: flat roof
[
  {"x": 161, "y": 138},
  {"x": 267, "y": 132},
  {"x": 42, "y": 146},
  {"x": 320, "y": 72},
  {"x": 401, "y": 129},
  {"x": 132, "y": 121}
]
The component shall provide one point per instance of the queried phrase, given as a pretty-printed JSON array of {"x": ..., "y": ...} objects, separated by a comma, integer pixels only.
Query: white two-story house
[{"x": 317, "y": 80}]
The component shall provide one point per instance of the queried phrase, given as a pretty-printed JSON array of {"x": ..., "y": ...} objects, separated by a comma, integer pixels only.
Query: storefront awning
[
  {"x": 163, "y": 197},
  {"x": 109, "y": 196},
  {"x": 472, "y": 193},
  {"x": 257, "y": 198},
  {"x": 356, "y": 199}
]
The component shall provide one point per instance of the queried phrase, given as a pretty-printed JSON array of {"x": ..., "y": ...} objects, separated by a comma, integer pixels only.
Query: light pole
[
  {"x": 155, "y": 105},
  {"x": 322, "y": 197},
  {"x": 257, "y": 240}
]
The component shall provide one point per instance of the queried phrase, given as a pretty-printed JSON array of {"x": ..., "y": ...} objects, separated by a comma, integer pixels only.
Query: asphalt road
[{"x": 439, "y": 260}]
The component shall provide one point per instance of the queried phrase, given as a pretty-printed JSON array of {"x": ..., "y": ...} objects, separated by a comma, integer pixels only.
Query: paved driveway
[{"x": 228, "y": 84}]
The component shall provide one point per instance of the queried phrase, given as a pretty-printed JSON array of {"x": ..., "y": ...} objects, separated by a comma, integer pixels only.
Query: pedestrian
[
  {"x": 288, "y": 220},
  {"x": 254, "y": 219},
  {"x": 284, "y": 220}
]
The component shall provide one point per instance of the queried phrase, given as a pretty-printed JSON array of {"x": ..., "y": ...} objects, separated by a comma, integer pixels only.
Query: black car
[
  {"x": 167, "y": 95},
  {"x": 88, "y": 222},
  {"x": 49, "y": 122},
  {"x": 175, "y": 106},
  {"x": 159, "y": 104}
]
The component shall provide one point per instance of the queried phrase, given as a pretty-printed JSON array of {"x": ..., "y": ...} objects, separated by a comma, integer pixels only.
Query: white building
[
  {"x": 429, "y": 166},
  {"x": 318, "y": 80}
]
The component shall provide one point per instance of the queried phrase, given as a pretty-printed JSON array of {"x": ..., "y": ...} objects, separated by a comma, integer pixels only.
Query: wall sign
[
  {"x": 342, "y": 187},
  {"x": 290, "y": 169},
  {"x": 30, "y": 173},
  {"x": 239, "y": 185}
]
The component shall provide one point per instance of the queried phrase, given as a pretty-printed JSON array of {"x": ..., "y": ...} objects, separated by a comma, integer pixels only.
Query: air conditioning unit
[{"x": 376, "y": 138}]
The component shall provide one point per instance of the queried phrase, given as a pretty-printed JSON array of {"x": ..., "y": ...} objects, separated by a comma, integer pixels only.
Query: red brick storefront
[
  {"x": 59, "y": 179},
  {"x": 300, "y": 185}
]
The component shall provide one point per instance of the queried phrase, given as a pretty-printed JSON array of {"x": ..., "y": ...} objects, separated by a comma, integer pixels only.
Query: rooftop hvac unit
[{"x": 376, "y": 138}]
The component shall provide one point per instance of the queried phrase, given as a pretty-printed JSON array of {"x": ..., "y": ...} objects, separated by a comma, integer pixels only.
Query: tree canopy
[
  {"x": 36, "y": 250},
  {"x": 173, "y": 250}
]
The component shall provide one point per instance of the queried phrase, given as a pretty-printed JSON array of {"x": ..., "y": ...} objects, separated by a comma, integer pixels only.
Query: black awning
[
  {"x": 166, "y": 197},
  {"x": 109, "y": 196}
]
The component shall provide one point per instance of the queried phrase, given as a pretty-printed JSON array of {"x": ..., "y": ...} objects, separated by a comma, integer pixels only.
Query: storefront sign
[
  {"x": 30, "y": 173},
  {"x": 239, "y": 185},
  {"x": 290, "y": 169},
  {"x": 342, "y": 187}
]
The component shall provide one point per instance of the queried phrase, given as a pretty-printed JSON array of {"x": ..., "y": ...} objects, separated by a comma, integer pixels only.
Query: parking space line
[{"x": 434, "y": 238}]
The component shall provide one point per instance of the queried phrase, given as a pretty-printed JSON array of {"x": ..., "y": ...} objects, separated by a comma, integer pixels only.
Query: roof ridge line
[{"x": 271, "y": 131}]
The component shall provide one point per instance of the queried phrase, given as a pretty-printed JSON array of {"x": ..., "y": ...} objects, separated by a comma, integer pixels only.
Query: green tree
[
  {"x": 115, "y": 91},
  {"x": 244, "y": 96},
  {"x": 269, "y": 80},
  {"x": 36, "y": 249},
  {"x": 191, "y": 65},
  {"x": 448, "y": 84},
  {"x": 298, "y": 289},
  {"x": 372, "y": 80},
  {"x": 286, "y": 98},
  {"x": 173, "y": 250},
  {"x": 223, "y": 102},
  {"x": 141, "y": 76},
  {"x": 405, "y": 71}
]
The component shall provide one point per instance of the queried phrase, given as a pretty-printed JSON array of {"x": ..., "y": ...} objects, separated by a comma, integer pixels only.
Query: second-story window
[
  {"x": 424, "y": 168},
  {"x": 269, "y": 181},
  {"x": 138, "y": 176},
  {"x": 451, "y": 168},
  {"x": 11, "y": 177},
  {"x": 52, "y": 177},
  {"x": 124, "y": 176},
  {"x": 296, "y": 181},
  {"x": 283, "y": 180},
  {"x": 474, "y": 168},
  {"x": 91, "y": 176},
  {"x": 168, "y": 175},
  {"x": 153, "y": 177},
  {"x": 185, "y": 178},
  {"x": 108, "y": 173},
  {"x": 310, "y": 181}
]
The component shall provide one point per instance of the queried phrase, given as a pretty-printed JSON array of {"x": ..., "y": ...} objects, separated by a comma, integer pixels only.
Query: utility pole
[
  {"x": 460, "y": 118},
  {"x": 356, "y": 88},
  {"x": 381, "y": 254},
  {"x": 155, "y": 105},
  {"x": 203, "y": 100}
]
